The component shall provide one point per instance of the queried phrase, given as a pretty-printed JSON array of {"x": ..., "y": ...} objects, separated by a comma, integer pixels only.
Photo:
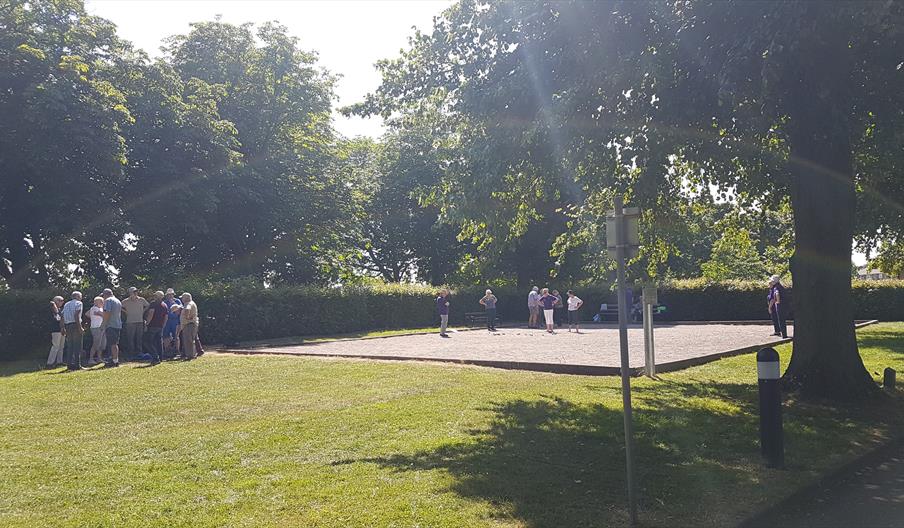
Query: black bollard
[
  {"x": 771, "y": 436},
  {"x": 888, "y": 381}
]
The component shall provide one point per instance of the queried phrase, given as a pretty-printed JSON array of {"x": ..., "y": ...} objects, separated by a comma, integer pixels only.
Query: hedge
[{"x": 241, "y": 311}]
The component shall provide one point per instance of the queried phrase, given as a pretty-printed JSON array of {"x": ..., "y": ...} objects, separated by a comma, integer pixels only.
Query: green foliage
[
  {"x": 734, "y": 256},
  {"x": 62, "y": 149}
]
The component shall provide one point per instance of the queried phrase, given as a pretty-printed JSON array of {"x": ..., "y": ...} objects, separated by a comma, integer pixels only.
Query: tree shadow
[{"x": 553, "y": 462}]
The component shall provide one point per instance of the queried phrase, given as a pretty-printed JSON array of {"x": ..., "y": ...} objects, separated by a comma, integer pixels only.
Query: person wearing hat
[
  {"x": 777, "y": 306},
  {"x": 173, "y": 306},
  {"x": 134, "y": 307},
  {"x": 112, "y": 326}
]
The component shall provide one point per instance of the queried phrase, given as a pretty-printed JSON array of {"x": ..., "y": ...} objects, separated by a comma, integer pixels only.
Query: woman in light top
[
  {"x": 574, "y": 304},
  {"x": 489, "y": 303}
]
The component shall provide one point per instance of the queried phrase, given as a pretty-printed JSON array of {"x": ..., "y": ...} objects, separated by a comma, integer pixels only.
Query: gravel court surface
[{"x": 596, "y": 345}]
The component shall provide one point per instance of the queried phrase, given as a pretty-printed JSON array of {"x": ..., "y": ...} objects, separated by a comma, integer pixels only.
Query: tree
[
  {"x": 578, "y": 101},
  {"x": 281, "y": 213},
  {"x": 734, "y": 256},
  {"x": 401, "y": 235},
  {"x": 61, "y": 145}
]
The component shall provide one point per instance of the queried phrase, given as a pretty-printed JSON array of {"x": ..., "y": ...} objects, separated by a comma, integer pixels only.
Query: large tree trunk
[{"x": 825, "y": 361}]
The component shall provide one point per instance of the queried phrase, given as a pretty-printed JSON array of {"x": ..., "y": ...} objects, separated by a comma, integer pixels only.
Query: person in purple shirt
[
  {"x": 777, "y": 306},
  {"x": 548, "y": 303},
  {"x": 442, "y": 307}
]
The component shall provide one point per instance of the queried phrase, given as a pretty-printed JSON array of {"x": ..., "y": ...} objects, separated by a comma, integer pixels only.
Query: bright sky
[{"x": 349, "y": 35}]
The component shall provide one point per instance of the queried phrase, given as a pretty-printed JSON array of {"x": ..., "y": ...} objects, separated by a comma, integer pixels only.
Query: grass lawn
[{"x": 286, "y": 441}]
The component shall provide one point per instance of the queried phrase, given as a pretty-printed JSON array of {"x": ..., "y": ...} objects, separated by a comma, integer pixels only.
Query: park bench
[
  {"x": 609, "y": 313},
  {"x": 478, "y": 318}
]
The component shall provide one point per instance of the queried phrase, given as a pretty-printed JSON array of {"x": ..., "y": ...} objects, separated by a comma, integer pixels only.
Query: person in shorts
[
  {"x": 548, "y": 303},
  {"x": 112, "y": 327},
  {"x": 574, "y": 304}
]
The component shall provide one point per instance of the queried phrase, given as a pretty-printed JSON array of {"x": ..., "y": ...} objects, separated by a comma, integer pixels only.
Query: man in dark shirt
[
  {"x": 777, "y": 303},
  {"x": 442, "y": 307},
  {"x": 155, "y": 318}
]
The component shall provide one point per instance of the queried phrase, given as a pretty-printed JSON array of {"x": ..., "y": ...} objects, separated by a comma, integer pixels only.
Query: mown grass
[{"x": 280, "y": 441}]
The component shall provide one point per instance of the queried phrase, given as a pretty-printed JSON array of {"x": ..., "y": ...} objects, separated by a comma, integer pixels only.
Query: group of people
[
  {"x": 551, "y": 304},
  {"x": 166, "y": 326}
]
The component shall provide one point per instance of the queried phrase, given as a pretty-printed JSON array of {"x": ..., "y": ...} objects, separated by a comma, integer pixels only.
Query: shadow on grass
[
  {"x": 552, "y": 462},
  {"x": 22, "y": 366}
]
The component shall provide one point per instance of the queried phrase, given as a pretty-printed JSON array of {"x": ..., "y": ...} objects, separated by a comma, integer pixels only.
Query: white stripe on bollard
[{"x": 768, "y": 370}]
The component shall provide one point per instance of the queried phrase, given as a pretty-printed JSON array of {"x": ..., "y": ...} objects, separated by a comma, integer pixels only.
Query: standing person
[
  {"x": 134, "y": 307},
  {"x": 96, "y": 314},
  {"x": 188, "y": 325},
  {"x": 574, "y": 304},
  {"x": 72, "y": 318},
  {"x": 112, "y": 327},
  {"x": 170, "y": 341},
  {"x": 533, "y": 306},
  {"x": 548, "y": 302},
  {"x": 55, "y": 326},
  {"x": 489, "y": 303},
  {"x": 442, "y": 308},
  {"x": 560, "y": 307},
  {"x": 155, "y": 319},
  {"x": 777, "y": 305}
]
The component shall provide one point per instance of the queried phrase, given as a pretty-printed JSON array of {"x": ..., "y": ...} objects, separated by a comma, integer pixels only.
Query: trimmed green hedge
[{"x": 241, "y": 311}]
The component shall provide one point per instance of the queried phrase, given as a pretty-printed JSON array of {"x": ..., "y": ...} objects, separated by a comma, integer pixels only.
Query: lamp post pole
[{"x": 621, "y": 249}]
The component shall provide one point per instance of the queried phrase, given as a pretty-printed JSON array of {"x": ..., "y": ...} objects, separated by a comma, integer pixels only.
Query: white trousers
[
  {"x": 56, "y": 348},
  {"x": 549, "y": 315}
]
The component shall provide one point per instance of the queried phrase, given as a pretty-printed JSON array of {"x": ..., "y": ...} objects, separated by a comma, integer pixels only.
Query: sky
[{"x": 348, "y": 35}]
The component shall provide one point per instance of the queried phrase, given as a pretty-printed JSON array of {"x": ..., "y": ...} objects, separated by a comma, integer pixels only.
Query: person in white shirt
[
  {"x": 574, "y": 304},
  {"x": 533, "y": 306},
  {"x": 98, "y": 342},
  {"x": 72, "y": 318}
]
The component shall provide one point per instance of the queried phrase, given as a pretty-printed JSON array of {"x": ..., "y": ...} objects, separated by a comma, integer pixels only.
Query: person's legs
[
  {"x": 140, "y": 337},
  {"x": 56, "y": 349},
  {"x": 188, "y": 339},
  {"x": 491, "y": 319},
  {"x": 155, "y": 344},
  {"x": 775, "y": 324},
  {"x": 128, "y": 336},
  {"x": 549, "y": 316},
  {"x": 74, "y": 344},
  {"x": 112, "y": 338},
  {"x": 443, "y": 323}
]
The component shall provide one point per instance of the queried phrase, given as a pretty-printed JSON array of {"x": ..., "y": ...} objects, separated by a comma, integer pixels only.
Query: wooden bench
[{"x": 479, "y": 318}]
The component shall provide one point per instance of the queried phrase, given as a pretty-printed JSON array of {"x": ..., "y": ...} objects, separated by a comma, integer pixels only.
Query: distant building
[{"x": 865, "y": 273}]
